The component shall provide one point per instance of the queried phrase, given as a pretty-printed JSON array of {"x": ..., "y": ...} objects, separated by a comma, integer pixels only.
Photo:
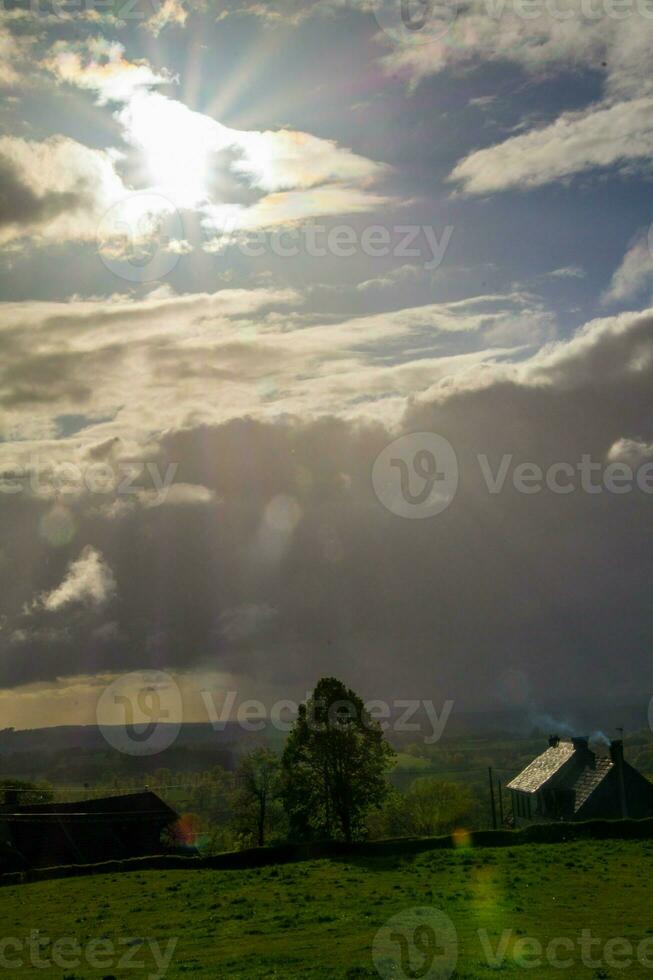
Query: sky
[{"x": 326, "y": 347}]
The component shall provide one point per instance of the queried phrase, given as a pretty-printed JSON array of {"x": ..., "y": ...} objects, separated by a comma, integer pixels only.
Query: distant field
[{"x": 319, "y": 919}]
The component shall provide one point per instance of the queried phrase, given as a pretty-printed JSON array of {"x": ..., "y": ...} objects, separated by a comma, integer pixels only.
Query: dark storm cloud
[{"x": 291, "y": 567}]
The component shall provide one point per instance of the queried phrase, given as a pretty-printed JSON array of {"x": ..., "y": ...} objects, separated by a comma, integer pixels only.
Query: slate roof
[
  {"x": 583, "y": 772},
  {"x": 588, "y": 780},
  {"x": 541, "y": 769}
]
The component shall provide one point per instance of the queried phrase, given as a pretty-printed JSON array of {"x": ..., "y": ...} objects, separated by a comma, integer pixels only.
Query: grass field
[{"x": 320, "y": 919}]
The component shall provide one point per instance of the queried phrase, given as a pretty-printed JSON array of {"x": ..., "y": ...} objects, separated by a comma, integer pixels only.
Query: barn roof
[
  {"x": 42, "y": 835},
  {"x": 146, "y": 804},
  {"x": 541, "y": 769}
]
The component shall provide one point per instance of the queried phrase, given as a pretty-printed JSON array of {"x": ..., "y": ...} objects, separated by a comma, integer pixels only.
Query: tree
[
  {"x": 437, "y": 807},
  {"x": 334, "y": 765},
  {"x": 256, "y": 799}
]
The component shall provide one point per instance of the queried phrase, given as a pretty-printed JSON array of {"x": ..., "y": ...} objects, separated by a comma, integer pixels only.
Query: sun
[{"x": 177, "y": 144}]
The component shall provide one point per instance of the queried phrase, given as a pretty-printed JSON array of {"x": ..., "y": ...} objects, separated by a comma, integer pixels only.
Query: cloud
[
  {"x": 54, "y": 190},
  {"x": 631, "y": 451},
  {"x": 99, "y": 65},
  {"x": 179, "y": 246},
  {"x": 169, "y": 12},
  {"x": 157, "y": 361},
  {"x": 613, "y": 132},
  {"x": 403, "y": 274},
  {"x": 225, "y": 222},
  {"x": 88, "y": 580},
  {"x": 633, "y": 275},
  {"x": 287, "y": 578},
  {"x": 13, "y": 54},
  {"x": 285, "y": 160},
  {"x": 602, "y": 136},
  {"x": 296, "y": 174},
  {"x": 482, "y": 32},
  {"x": 21, "y": 205},
  {"x": 179, "y": 495},
  {"x": 567, "y": 272}
]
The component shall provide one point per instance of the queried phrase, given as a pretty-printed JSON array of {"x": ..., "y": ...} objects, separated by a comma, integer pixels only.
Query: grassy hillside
[{"x": 319, "y": 919}]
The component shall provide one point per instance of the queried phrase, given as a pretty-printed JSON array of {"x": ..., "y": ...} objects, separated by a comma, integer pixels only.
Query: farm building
[
  {"x": 47, "y": 834},
  {"x": 570, "y": 781}
]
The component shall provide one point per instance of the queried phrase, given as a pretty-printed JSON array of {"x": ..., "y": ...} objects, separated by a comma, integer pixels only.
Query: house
[
  {"x": 47, "y": 834},
  {"x": 569, "y": 781}
]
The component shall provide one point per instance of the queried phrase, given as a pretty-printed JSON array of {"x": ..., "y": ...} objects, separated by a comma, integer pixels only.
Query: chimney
[
  {"x": 554, "y": 741},
  {"x": 617, "y": 756},
  {"x": 583, "y": 751}
]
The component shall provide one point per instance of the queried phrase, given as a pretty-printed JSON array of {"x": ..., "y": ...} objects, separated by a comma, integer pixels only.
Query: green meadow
[{"x": 319, "y": 919}]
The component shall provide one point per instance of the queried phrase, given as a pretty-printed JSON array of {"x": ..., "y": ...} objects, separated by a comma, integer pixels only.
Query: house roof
[
  {"x": 146, "y": 804},
  {"x": 588, "y": 780},
  {"x": 579, "y": 772},
  {"x": 541, "y": 769},
  {"x": 43, "y": 835}
]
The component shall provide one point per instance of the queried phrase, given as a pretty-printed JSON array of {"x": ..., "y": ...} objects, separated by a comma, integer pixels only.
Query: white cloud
[
  {"x": 88, "y": 580},
  {"x": 601, "y": 136},
  {"x": 620, "y": 47},
  {"x": 614, "y": 131},
  {"x": 99, "y": 65},
  {"x": 567, "y": 272},
  {"x": 287, "y": 160},
  {"x": 631, "y": 451},
  {"x": 169, "y": 12},
  {"x": 13, "y": 52},
  {"x": 633, "y": 275},
  {"x": 225, "y": 222},
  {"x": 179, "y": 246},
  {"x": 179, "y": 495}
]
